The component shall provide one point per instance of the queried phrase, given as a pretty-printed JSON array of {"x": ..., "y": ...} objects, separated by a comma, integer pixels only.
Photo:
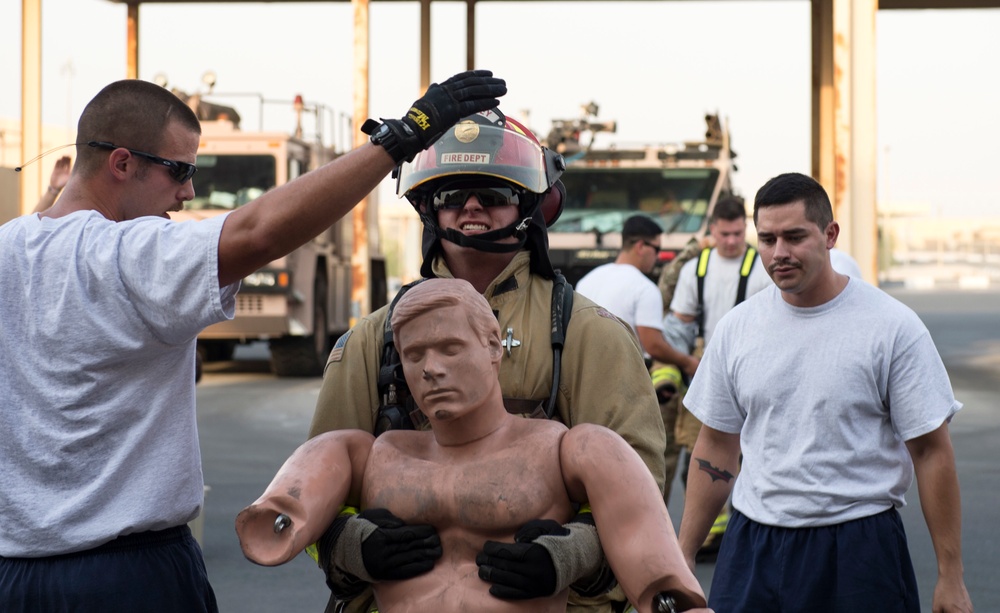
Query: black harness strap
[
  {"x": 741, "y": 292},
  {"x": 748, "y": 259},
  {"x": 562, "y": 309}
]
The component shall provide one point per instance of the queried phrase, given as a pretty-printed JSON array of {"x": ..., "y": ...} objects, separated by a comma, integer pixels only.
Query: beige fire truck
[
  {"x": 676, "y": 184},
  {"x": 298, "y": 303}
]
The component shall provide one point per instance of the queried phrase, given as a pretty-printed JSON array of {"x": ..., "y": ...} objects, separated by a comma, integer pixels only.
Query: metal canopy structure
[{"x": 843, "y": 98}]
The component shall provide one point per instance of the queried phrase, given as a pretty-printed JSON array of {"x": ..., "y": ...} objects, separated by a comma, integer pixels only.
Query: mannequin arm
[
  {"x": 634, "y": 526},
  {"x": 310, "y": 488}
]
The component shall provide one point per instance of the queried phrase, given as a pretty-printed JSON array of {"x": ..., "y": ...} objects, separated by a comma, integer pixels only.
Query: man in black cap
[{"x": 623, "y": 288}]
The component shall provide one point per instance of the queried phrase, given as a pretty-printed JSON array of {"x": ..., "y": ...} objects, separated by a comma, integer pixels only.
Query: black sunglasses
[
  {"x": 655, "y": 247},
  {"x": 487, "y": 196},
  {"x": 180, "y": 171}
]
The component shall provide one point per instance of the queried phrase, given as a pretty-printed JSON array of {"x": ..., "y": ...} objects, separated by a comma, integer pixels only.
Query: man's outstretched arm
[{"x": 287, "y": 217}]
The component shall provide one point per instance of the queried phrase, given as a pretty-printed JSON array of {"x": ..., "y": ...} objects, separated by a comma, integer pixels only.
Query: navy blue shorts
[
  {"x": 159, "y": 571},
  {"x": 860, "y": 565}
]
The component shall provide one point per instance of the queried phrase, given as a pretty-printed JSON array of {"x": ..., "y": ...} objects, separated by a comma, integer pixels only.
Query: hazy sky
[{"x": 655, "y": 67}]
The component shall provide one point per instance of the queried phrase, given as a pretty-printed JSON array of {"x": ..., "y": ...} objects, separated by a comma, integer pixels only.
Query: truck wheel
[
  {"x": 305, "y": 356},
  {"x": 216, "y": 350}
]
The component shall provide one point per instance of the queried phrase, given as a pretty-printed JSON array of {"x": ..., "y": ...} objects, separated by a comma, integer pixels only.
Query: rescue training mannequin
[{"x": 478, "y": 475}]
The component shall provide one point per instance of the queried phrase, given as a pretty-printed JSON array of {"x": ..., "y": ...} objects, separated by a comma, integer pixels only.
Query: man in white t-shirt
[
  {"x": 834, "y": 396},
  {"x": 843, "y": 263},
  {"x": 623, "y": 288}
]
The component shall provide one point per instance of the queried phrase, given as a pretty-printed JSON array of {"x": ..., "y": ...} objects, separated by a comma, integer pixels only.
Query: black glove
[
  {"x": 543, "y": 560},
  {"x": 389, "y": 549},
  {"x": 439, "y": 109}
]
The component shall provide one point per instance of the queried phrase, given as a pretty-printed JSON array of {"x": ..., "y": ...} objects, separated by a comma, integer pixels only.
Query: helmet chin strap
[{"x": 487, "y": 241}]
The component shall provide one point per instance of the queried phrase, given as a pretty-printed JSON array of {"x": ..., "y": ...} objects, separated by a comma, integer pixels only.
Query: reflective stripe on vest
[{"x": 741, "y": 291}]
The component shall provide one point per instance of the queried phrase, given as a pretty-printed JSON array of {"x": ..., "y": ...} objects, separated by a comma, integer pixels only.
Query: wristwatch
[{"x": 382, "y": 135}]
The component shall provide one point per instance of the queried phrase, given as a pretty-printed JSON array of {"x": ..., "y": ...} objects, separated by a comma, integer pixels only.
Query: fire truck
[
  {"x": 298, "y": 303},
  {"x": 675, "y": 184}
]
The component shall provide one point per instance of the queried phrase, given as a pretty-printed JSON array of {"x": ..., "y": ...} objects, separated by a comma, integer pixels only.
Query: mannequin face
[{"x": 450, "y": 367}]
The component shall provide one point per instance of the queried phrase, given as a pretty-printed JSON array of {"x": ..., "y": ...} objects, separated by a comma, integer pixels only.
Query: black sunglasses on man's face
[
  {"x": 180, "y": 171},
  {"x": 655, "y": 247}
]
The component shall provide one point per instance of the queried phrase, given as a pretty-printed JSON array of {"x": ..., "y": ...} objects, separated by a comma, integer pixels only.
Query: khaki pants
[
  {"x": 686, "y": 428},
  {"x": 671, "y": 455}
]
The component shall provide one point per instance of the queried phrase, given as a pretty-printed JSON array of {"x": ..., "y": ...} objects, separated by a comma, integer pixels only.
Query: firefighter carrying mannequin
[
  {"x": 485, "y": 192},
  {"x": 479, "y": 473}
]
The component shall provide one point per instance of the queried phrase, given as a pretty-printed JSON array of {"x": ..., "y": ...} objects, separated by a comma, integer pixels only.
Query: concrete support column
[
  {"x": 425, "y": 45},
  {"x": 360, "y": 257},
  {"x": 844, "y": 138},
  {"x": 132, "y": 42},
  {"x": 31, "y": 102},
  {"x": 470, "y": 34}
]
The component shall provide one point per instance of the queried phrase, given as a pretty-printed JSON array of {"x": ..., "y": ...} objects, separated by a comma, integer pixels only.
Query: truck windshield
[
  {"x": 601, "y": 199},
  {"x": 230, "y": 181}
]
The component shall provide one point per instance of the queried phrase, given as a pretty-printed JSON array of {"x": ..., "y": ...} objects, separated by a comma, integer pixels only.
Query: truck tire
[
  {"x": 216, "y": 350},
  {"x": 305, "y": 356}
]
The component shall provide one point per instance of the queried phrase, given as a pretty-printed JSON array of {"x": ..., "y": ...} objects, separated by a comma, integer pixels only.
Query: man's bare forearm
[
  {"x": 711, "y": 476},
  {"x": 288, "y": 216}
]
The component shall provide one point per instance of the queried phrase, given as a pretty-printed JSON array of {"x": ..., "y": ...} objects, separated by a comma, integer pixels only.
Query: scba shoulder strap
[
  {"x": 395, "y": 402},
  {"x": 748, "y": 259},
  {"x": 562, "y": 310},
  {"x": 741, "y": 292},
  {"x": 397, "y": 410}
]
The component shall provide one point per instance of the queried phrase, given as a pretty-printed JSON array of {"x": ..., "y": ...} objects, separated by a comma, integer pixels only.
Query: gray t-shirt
[
  {"x": 823, "y": 399},
  {"x": 97, "y": 336}
]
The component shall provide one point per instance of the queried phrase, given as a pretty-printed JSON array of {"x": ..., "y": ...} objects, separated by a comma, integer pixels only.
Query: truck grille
[{"x": 249, "y": 305}]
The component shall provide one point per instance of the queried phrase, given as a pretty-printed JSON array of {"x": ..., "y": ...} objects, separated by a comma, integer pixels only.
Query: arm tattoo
[{"x": 713, "y": 472}]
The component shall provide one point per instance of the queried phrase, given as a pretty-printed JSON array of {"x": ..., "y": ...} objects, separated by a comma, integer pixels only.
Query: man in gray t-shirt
[
  {"x": 836, "y": 396},
  {"x": 103, "y": 298}
]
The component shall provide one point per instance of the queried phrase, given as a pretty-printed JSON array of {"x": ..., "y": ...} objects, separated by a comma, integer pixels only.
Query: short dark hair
[
  {"x": 728, "y": 208},
  {"x": 129, "y": 113},
  {"x": 638, "y": 227},
  {"x": 792, "y": 187}
]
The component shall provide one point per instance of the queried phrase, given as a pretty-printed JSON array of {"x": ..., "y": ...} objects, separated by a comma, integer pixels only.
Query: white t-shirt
[
  {"x": 823, "y": 399},
  {"x": 97, "y": 335},
  {"x": 626, "y": 292},
  {"x": 845, "y": 264},
  {"x": 722, "y": 280}
]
